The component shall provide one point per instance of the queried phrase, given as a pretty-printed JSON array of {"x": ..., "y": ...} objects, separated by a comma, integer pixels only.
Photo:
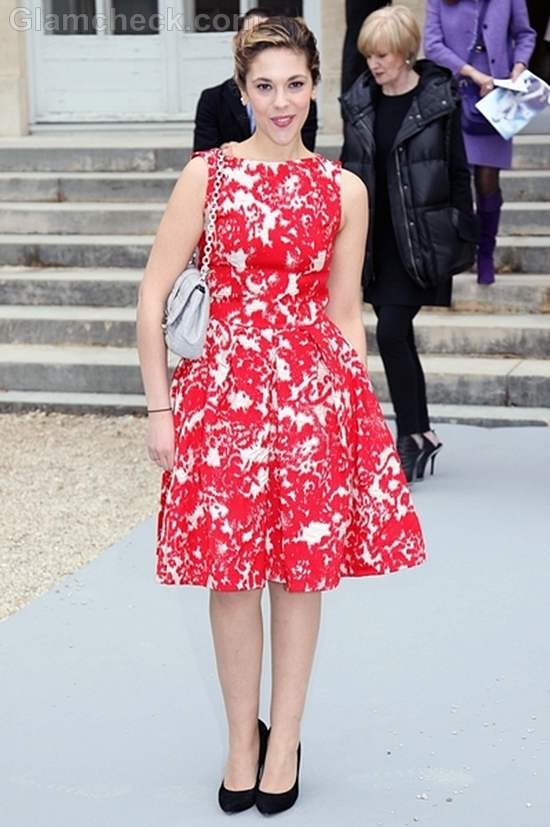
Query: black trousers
[{"x": 397, "y": 348}]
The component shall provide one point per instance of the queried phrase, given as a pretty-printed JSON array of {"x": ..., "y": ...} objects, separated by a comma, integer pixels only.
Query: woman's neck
[
  {"x": 403, "y": 83},
  {"x": 260, "y": 148}
]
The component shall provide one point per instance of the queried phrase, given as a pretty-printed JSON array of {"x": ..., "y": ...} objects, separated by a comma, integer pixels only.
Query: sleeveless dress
[{"x": 285, "y": 469}]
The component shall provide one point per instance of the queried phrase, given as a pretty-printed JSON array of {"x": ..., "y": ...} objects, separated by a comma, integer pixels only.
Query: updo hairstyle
[{"x": 275, "y": 33}]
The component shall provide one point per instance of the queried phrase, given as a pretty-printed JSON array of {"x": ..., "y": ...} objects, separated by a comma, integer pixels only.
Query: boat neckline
[{"x": 314, "y": 157}]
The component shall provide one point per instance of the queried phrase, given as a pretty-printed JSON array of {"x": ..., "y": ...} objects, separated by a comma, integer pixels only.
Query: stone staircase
[{"x": 76, "y": 225}]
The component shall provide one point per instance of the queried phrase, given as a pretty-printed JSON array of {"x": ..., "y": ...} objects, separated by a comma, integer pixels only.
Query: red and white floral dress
[{"x": 284, "y": 467}]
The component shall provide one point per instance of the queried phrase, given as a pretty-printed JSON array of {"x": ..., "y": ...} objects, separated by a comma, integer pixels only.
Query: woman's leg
[
  {"x": 422, "y": 415},
  {"x": 295, "y": 619},
  {"x": 489, "y": 203},
  {"x": 237, "y": 632},
  {"x": 394, "y": 334},
  {"x": 422, "y": 410}
]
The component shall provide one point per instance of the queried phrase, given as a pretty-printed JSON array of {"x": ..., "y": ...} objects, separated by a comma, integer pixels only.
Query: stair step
[
  {"x": 450, "y": 380},
  {"x": 456, "y": 380},
  {"x": 510, "y": 293},
  {"x": 148, "y": 153},
  {"x": 531, "y": 152},
  {"x": 528, "y": 254},
  {"x": 522, "y": 185},
  {"x": 132, "y": 187},
  {"x": 526, "y": 336},
  {"x": 39, "y": 250},
  {"x": 77, "y": 403},
  {"x": 78, "y": 218},
  {"x": 25, "y": 157},
  {"x": 67, "y": 325},
  {"x": 110, "y": 287},
  {"x": 488, "y": 416},
  {"x": 527, "y": 218},
  {"x": 121, "y": 404},
  {"x": 155, "y": 187},
  {"x": 67, "y": 218},
  {"x": 117, "y": 287}
]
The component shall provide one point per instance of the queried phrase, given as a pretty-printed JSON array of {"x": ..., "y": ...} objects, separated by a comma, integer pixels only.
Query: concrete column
[
  {"x": 13, "y": 75},
  {"x": 333, "y": 29},
  {"x": 418, "y": 7}
]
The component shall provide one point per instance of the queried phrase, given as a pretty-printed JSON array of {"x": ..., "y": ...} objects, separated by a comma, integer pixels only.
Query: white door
[{"x": 133, "y": 60}]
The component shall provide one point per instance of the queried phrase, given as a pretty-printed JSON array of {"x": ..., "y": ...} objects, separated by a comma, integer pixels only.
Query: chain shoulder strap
[{"x": 212, "y": 214}]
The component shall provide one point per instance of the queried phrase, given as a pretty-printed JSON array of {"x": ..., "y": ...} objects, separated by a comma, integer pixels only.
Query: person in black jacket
[
  {"x": 402, "y": 136},
  {"x": 221, "y": 117},
  {"x": 353, "y": 62}
]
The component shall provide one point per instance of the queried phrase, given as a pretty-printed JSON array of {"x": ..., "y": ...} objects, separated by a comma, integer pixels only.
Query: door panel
[
  {"x": 133, "y": 60},
  {"x": 70, "y": 17}
]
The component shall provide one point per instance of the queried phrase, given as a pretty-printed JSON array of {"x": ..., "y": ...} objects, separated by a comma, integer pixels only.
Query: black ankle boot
[
  {"x": 410, "y": 454},
  {"x": 271, "y": 803},
  {"x": 235, "y": 801}
]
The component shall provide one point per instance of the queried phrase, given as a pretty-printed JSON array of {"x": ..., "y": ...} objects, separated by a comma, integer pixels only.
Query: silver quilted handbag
[{"x": 188, "y": 304}]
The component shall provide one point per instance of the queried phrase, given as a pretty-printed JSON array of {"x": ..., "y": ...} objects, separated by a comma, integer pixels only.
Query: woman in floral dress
[{"x": 278, "y": 467}]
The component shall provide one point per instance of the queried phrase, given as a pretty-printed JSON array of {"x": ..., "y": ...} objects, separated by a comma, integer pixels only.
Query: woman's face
[
  {"x": 279, "y": 87},
  {"x": 386, "y": 66}
]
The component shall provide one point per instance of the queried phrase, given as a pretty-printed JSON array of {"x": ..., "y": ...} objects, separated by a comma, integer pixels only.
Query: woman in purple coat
[{"x": 480, "y": 40}]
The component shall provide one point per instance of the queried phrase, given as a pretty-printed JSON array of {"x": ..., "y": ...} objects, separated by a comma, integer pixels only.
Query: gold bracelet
[{"x": 157, "y": 410}]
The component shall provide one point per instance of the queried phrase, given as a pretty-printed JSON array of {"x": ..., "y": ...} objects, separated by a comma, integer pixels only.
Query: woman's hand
[
  {"x": 160, "y": 439},
  {"x": 485, "y": 82},
  {"x": 517, "y": 69}
]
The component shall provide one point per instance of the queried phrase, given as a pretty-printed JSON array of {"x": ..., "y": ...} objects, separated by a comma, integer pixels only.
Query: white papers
[
  {"x": 520, "y": 84},
  {"x": 511, "y": 105}
]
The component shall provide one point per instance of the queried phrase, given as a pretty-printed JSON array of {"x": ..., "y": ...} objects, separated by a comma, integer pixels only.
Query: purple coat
[{"x": 450, "y": 32}]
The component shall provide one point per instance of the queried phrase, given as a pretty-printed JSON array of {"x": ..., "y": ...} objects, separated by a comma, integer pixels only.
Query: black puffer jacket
[{"x": 428, "y": 175}]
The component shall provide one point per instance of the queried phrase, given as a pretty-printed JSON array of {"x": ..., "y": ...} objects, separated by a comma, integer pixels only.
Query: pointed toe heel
[
  {"x": 236, "y": 801},
  {"x": 272, "y": 803}
]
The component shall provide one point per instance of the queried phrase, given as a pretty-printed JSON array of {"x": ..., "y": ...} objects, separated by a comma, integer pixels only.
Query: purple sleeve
[
  {"x": 434, "y": 41},
  {"x": 522, "y": 34}
]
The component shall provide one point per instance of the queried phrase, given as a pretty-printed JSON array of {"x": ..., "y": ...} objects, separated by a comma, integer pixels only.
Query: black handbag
[
  {"x": 472, "y": 121},
  {"x": 451, "y": 235},
  {"x": 454, "y": 234}
]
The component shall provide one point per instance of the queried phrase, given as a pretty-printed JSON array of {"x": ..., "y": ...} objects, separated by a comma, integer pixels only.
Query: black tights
[
  {"x": 486, "y": 180},
  {"x": 397, "y": 348}
]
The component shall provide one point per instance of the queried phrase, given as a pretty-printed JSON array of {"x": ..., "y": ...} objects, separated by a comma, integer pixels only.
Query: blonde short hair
[{"x": 392, "y": 29}]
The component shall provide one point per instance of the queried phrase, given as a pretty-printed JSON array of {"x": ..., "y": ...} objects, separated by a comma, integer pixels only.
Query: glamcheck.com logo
[{"x": 22, "y": 19}]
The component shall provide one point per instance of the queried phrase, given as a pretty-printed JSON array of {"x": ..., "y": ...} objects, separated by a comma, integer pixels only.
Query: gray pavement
[{"x": 429, "y": 702}]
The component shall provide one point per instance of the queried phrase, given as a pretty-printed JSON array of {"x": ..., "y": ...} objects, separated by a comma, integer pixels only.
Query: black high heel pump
[
  {"x": 271, "y": 803},
  {"x": 235, "y": 801},
  {"x": 410, "y": 454},
  {"x": 430, "y": 451}
]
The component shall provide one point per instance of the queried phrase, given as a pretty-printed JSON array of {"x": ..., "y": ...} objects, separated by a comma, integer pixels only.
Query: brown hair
[
  {"x": 275, "y": 33},
  {"x": 393, "y": 28}
]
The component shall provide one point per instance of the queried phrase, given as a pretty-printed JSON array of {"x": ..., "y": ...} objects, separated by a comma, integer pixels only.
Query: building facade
[{"x": 121, "y": 62}]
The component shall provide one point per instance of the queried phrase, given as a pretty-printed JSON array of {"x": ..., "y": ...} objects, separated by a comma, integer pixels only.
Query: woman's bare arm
[
  {"x": 344, "y": 284},
  {"x": 179, "y": 231},
  {"x": 177, "y": 236}
]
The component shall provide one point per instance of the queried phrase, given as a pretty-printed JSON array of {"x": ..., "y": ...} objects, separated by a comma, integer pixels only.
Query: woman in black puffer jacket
[{"x": 402, "y": 136}]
